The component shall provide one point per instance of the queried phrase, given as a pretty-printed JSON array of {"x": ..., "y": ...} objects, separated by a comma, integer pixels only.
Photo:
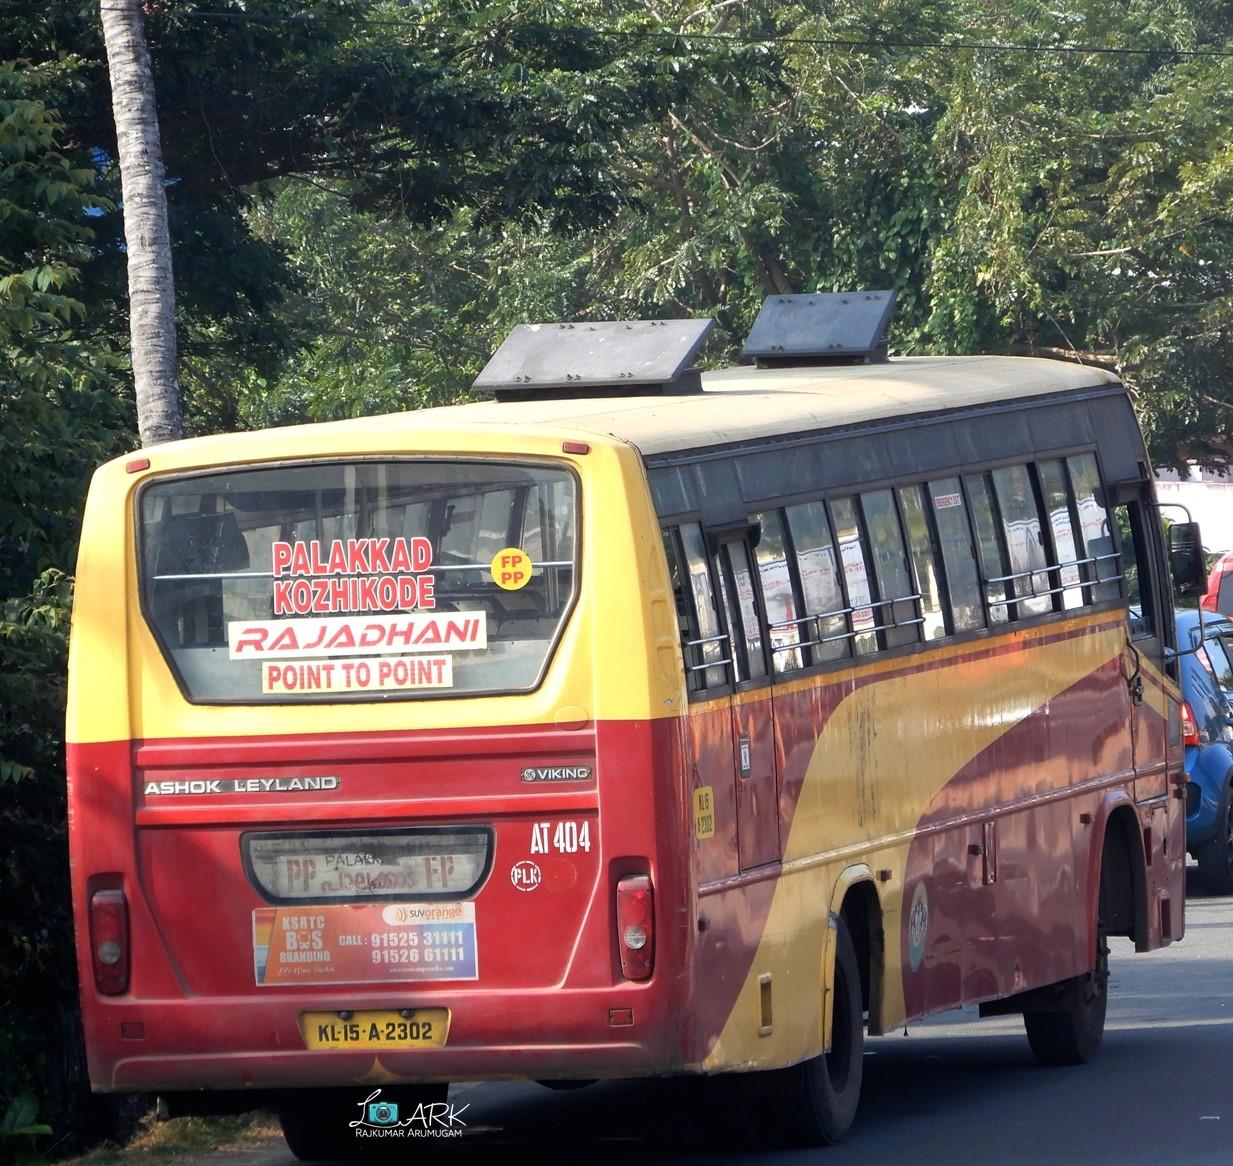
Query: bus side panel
[
  {"x": 986, "y": 901},
  {"x": 1001, "y": 904}
]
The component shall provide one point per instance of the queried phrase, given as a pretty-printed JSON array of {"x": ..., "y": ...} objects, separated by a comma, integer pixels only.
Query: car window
[{"x": 1219, "y": 663}]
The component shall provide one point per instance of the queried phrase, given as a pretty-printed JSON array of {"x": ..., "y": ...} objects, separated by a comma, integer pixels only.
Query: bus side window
[
  {"x": 967, "y": 608},
  {"x": 817, "y": 564},
  {"x": 706, "y": 646},
  {"x": 927, "y": 576},
  {"x": 737, "y": 586},
  {"x": 857, "y": 579},
  {"x": 1060, "y": 507},
  {"x": 994, "y": 564},
  {"x": 1025, "y": 541},
  {"x": 896, "y": 614},
  {"x": 1095, "y": 530},
  {"x": 779, "y": 592},
  {"x": 1136, "y": 576},
  {"x": 686, "y": 621}
]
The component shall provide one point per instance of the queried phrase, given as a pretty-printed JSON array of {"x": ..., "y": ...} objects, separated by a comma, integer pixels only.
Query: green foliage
[
  {"x": 36, "y": 962},
  {"x": 19, "y": 1129},
  {"x": 19, "y": 1119},
  {"x": 58, "y": 418},
  {"x": 59, "y": 415}
]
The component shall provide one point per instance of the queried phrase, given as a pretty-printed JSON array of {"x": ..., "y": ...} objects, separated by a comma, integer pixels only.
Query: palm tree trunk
[{"x": 151, "y": 289}]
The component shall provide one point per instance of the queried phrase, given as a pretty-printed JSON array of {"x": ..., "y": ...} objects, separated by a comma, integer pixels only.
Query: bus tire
[
  {"x": 316, "y": 1123},
  {"x": 825, "y": 1090},
  {"x": 1072, "y": 1032},
  {"x": 1216, "y": 854}
]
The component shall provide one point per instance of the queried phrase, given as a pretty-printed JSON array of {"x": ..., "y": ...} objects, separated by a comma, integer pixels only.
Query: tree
[
  {"x": 151, "y": 286},
  {"x": 60, "y": 415}
]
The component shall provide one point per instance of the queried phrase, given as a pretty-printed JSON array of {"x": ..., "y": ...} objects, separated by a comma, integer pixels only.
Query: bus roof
[
  {"x": 740, "y": 404},
  {"x": 737, "y": 405}
]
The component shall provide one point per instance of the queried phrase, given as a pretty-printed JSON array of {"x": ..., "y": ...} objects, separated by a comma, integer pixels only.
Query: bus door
[
  {"x": 1155, "y": 713},
  {"x": 753, "y": 713},
  {"x": 1153, "y": 708}
]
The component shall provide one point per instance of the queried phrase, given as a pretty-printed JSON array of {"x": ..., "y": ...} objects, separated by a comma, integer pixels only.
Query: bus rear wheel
[
  {"x": 1072, "y": 1032},
  {"x": 823, "y": 1092}
]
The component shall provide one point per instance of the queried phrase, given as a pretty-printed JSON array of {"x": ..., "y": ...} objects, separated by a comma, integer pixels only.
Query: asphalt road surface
[{"x": 954, "y": 1089}]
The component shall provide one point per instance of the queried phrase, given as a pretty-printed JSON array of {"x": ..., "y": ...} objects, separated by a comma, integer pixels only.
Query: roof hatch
[
  {"x": 822, "y": 328},
  {"x": 605, "y": 358}
]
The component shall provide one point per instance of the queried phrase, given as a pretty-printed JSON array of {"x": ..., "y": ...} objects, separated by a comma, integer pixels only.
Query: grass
[{"x": 165, "y": 1141}]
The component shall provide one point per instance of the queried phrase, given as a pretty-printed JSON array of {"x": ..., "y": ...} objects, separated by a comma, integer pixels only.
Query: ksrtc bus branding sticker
[
  {"x": 511, "y": 568},
  {"x": 370, "y": 635},
  {"x": 382, "y": 674},
  {"x": 364, "y": 943},
  {"x": 918, "y": 926},
  {"x": 352, "y": 575},
  {"x": 526, "y": 875},
  {"x": 704, "y": 812}
]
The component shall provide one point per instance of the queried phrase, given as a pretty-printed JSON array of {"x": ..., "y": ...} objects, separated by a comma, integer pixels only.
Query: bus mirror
[{"x": 1186, "y": 559}]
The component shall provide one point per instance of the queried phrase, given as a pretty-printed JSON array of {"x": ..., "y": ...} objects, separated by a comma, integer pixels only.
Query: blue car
[{"x": 1207, "y": 726}]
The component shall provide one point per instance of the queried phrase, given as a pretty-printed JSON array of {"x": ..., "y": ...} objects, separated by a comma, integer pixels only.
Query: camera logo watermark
[{"x": 429, "y": 1119}]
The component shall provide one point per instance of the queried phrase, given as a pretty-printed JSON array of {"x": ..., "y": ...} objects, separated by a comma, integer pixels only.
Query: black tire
[
  {"x": 1072, "y": 1033},
  {"x": 823, "y": 1093},
  {"x": 317, "y": 1122},
  {"x": 1216, "y": 854}
]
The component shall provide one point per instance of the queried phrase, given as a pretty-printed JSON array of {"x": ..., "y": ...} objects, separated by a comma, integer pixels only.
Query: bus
[{"x": 634, "y": 722}]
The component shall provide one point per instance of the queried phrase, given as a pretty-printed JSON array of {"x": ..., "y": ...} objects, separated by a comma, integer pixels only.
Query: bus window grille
[
  {"x": 693, "y": 649},
  {"x": 894, "y": 622},
  {"x": 851, "y": 633},
  {"x": 1031, "y": 591}
]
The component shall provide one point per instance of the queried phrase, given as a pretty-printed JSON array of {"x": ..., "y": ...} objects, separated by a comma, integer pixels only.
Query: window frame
[
  {"x": 921, "y": 480},
  {"x": 168, "y": 658}
]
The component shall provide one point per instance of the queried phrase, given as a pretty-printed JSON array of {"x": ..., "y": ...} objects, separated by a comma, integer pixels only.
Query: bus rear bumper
[
  {"x": 302, "y": 1069},
  {"x": 167, "y": 1046}
]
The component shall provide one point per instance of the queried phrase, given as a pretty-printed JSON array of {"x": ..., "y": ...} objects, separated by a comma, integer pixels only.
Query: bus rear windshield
[{"x": 370, "y": 580}]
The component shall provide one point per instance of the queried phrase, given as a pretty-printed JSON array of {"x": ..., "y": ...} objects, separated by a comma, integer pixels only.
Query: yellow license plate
[{"x": 408, "y": 1028}]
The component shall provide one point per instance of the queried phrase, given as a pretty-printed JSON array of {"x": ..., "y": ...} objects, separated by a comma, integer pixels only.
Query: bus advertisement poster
[{"x": 371, "y": 943}]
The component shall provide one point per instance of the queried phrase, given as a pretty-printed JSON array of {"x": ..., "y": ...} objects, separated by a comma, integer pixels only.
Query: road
[{"x": 952, "y": 1089}]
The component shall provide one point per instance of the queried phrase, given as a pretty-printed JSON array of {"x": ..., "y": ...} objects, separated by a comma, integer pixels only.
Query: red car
[{"x": 1219, "y": 594}]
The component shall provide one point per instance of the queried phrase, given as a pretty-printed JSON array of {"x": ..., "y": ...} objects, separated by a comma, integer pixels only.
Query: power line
[{"x": 746, "y": 39}]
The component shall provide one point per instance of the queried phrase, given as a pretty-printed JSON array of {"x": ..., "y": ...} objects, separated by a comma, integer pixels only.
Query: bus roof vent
[
  {"x": 606, "y": 358},
  {"x": 822, "y": 328}
]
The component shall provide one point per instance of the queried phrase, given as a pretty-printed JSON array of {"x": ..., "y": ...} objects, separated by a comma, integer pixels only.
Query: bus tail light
[
  {"x": 1190, "y": 727},
  {"x": 636, "y": 926},
  {"x": 109, "y": 944}
]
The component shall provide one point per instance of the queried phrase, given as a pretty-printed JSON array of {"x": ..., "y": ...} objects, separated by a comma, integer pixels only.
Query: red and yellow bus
[{"x": 633, "y": 723}]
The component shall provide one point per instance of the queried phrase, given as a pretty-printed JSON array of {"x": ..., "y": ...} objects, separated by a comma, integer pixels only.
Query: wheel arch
[
  {"x": 855, "y": 900},
  {"x": 1117, "y": 874}
]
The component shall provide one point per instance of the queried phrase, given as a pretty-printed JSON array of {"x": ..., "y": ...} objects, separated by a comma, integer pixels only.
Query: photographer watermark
[{"x": 429, "y": 1119}]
